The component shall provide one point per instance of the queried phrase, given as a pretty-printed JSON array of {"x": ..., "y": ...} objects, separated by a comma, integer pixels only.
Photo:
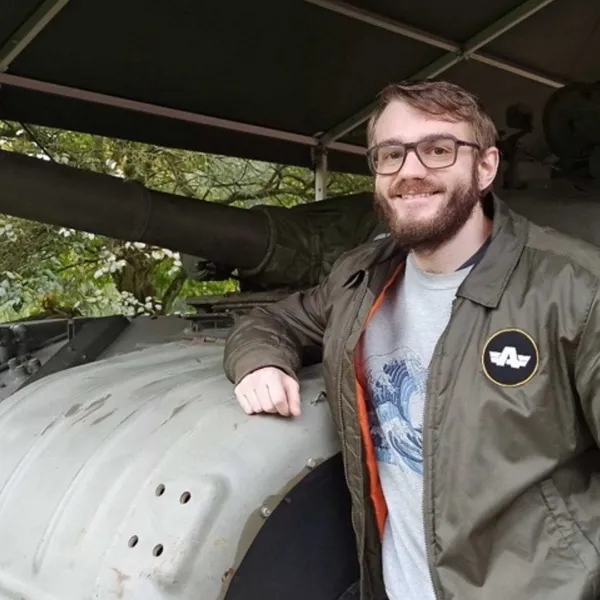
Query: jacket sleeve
[
  {"x": 277, "y": 335},
  {"x": 587, "y": 367}
]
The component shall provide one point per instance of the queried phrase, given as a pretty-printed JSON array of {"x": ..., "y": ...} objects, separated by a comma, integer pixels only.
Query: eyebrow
[{"x": 432, "y": 136}]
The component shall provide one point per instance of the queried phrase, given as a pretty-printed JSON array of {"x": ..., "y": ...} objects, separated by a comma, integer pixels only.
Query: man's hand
[{"x": 269, "y": 390}]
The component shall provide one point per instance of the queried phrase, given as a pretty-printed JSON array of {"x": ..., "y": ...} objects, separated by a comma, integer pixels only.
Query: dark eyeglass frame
[{"x": 414, "y": 147}]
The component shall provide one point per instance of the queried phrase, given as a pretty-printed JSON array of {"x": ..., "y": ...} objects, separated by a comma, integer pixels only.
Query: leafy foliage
[{"x": 47, "y": 270}]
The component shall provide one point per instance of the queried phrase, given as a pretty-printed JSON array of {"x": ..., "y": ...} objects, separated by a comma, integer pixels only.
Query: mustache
[{"x": 415, "y": 187}]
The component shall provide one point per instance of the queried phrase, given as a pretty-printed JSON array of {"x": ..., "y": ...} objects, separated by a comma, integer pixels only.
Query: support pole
[{"x": 321, "y": 173}]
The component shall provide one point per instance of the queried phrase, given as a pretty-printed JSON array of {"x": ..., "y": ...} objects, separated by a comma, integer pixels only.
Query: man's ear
[{"x": 487, "y": 168}]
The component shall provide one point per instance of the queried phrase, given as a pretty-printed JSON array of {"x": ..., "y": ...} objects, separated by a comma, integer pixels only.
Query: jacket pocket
[{"x": 569, "y": 534}]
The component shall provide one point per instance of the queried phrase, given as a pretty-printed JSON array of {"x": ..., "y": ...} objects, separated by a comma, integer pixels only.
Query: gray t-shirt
[{"x": 398, "y": 346}]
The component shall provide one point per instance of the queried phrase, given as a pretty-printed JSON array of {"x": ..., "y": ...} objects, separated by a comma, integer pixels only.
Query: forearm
[{"x": 276, "y": 335}]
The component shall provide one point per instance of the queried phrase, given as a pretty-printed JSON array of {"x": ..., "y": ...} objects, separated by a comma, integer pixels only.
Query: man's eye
[
  {"x": 438, "y": 149},
  {"x": 391, "y": 155}
]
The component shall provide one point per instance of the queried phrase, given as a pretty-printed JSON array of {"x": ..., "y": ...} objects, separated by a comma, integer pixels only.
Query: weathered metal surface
[{"x": 140, "y": 477}]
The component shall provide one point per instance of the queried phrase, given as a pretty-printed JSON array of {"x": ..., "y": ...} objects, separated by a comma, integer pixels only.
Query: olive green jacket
[{"x": 512, "y": 424}]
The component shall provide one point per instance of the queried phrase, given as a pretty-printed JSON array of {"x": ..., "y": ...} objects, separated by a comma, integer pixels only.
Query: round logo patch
[{"x": 510, "y": 358}]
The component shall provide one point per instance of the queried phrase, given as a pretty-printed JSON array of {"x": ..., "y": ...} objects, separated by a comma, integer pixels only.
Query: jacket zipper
[{"x": 426, "y": 478}]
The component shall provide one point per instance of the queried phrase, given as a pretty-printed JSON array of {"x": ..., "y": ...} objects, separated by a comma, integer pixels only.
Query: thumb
[{"x": 292, "y": 391}]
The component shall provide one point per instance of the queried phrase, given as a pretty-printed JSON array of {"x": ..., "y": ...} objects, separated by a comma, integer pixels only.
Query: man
[{"x": 461, "y": 361}]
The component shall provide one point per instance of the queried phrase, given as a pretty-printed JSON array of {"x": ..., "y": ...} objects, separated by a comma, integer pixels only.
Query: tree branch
[
  {"x": 78, "y": 264},
  {"x": 173, "y": 290},
  {"x": 179, "y": 180}
]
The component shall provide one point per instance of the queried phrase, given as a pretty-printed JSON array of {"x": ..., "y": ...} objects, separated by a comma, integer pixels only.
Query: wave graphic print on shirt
[{"x": 398, "y": 396}]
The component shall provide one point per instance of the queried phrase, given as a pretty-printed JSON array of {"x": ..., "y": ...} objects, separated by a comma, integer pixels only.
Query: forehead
[{"x": 402, "y": 122}]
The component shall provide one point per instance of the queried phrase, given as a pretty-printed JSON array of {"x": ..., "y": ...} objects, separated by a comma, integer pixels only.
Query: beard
[{"x": 428, "y": 234}]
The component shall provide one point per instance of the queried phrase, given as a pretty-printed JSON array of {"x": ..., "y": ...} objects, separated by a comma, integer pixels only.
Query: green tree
[{"x": 53, "y": 270}]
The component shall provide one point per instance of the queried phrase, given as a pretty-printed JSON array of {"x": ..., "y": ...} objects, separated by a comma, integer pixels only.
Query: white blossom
[
  {"x": 8, "y": 231},
  {"x": 66, "y": 232}
]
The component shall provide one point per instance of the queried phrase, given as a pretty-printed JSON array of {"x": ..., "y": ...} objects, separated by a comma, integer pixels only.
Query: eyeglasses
[{"x": 439, "y": 152}]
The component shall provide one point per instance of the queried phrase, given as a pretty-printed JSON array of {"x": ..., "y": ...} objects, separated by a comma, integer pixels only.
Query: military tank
[{"x": 127, "y": 469}]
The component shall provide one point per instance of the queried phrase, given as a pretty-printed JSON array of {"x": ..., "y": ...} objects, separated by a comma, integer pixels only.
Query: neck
[{"x": 450, "y": 255}]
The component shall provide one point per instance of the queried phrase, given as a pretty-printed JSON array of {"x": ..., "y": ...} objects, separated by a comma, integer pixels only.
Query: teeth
[{"x": 412, "y": 196}]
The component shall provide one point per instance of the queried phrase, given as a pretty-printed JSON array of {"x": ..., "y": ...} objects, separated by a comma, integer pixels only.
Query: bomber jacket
[{"x": 511, "y": 431}]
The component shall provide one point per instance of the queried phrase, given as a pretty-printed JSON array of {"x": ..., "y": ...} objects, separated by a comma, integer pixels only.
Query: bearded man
[{"x": 461, "y": 362}]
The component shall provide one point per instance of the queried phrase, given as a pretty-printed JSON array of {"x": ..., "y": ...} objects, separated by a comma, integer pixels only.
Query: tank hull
[{"x": 139, "y": 477}]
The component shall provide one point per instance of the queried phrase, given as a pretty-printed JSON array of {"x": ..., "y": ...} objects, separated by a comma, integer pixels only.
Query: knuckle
[{"x": 293, "y": 382}]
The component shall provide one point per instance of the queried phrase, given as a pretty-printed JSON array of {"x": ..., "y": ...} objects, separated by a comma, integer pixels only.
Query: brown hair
[{"x": 442, "y": 99}]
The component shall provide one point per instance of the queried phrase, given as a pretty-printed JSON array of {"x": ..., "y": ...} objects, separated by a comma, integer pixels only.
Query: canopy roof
[{"x": 273, "y": 79}]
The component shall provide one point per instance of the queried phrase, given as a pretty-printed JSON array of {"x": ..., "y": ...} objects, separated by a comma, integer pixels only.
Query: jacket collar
[{"x": 486, "y": 283}]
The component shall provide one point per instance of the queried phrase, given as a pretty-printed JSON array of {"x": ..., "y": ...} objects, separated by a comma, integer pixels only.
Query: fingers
[
  {"x": 279, "y": 401},
  {"x": 269, "y": 390},
  {"x": 244, "y": 403},
  {"x": 253, "y": 400},
  {"x": 256, "y": 400},
  {"x": 293, "y": 395}
]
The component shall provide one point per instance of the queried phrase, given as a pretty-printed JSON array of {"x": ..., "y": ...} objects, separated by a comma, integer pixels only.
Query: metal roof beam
[
  {"x": 169, "y": 113},
  {"x": 371, "y": 18},
  {"x": 28, "y": 31},
  {"x": 455, "y": 52}
]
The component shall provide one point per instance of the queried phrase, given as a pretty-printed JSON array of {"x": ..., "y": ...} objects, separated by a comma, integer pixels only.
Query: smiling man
[{"x": 461, "y": 363}]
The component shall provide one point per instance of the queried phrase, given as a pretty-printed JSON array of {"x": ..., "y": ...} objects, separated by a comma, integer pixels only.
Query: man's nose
[{"x": 412, "y": 168}]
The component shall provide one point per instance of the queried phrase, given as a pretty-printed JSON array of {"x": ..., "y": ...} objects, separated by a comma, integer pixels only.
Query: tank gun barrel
[{"x": 105, "y": 205}]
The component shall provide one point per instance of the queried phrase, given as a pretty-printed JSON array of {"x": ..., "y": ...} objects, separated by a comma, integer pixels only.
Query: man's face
[{"x": 425, "y": 207}]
